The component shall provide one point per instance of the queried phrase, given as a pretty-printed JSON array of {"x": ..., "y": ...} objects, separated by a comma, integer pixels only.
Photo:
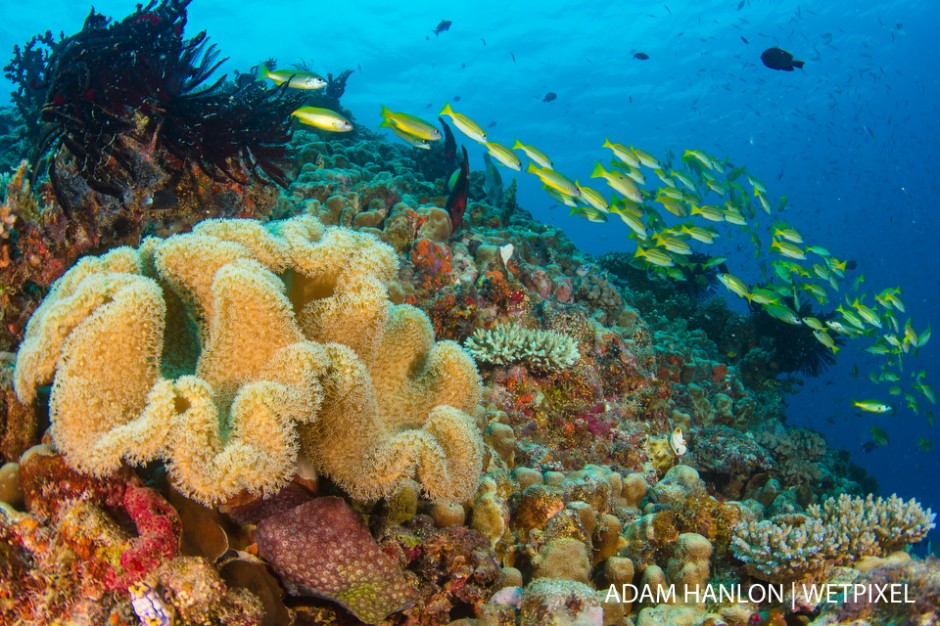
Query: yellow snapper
[
  {"x": 634, "y": 222},
  {"x": 593, "y": 198},
  {"x": 467, "y": 126},
  {"x": 783, "y": 313},
  {"x": 735, "y": 285},
  {"x": 413, "y": 141},
  {"x": 889, "y": 298},
  {"x": 761, "y": 295},
  {"x": 504, "y": 155},
  {"x": 790, "y": 234},
  {"x": 534, "y": 154},
  {"x": 622, "y": 153},
  {"x": 716, "y": 187},
  {"x": 672, "y": 205},
  {"x": 687, "y": 182},
  {"x": 826, "y": 339},
  {"x": 666, "y": 180},
  {"x": 590, "y": 213},
  {"x": 410, "y": 124},
  {"x": 787, "y": 249},
  {"x": 655, "y": 256},
  {"x": 758, "y": 186},
  {"x": 733, "y": 216},
  {"x": 699, "y": 233},
  {"x": 700, "y": 157},
  {"x": 323, "y": 119},
  {"x": 867, "y": 314},
  {"x": 635, "y": 175},
  {"x": 296, "y": 79},
  {"x": 646, "y": 159},
  {"x": 565, "y": 199},
  {"x": 711, "y": 213},
  {"x": 618, "y": 182},
  {"x": 557, "y": 181},
  {"x": 872, "y": 406},
  {"x": 763, "y": 202},
  {"x": 673, "y": 244}
]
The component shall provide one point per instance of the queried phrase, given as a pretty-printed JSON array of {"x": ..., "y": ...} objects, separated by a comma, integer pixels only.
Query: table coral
[
  {"x": 238, "y": 348},
  {"x": 795, "y": 547}
]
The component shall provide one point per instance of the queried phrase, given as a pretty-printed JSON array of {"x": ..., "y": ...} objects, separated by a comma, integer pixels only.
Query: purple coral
[{"x": 323, "y": 549}]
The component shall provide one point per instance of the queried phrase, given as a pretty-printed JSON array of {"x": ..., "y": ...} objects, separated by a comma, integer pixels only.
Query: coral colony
[{"x": 343, "y": 403}]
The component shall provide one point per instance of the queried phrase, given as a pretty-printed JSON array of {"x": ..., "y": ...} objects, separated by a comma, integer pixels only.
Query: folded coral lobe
[{"x": 238, "y": 351}]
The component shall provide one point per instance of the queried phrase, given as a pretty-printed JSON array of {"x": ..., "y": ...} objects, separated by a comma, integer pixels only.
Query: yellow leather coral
[{"x": 238, "y": 350}]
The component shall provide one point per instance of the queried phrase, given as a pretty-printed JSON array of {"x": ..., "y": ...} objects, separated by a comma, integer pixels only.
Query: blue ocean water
[{"x": 850, "y": 139}]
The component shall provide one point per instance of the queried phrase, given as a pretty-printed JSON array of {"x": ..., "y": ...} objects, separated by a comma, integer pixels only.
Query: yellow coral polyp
[{"x": 238, "y": 350}]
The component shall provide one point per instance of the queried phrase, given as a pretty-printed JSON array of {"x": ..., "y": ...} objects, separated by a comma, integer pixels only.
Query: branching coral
[
  {"x": 794, "y": 547},
  {"x": 542, "y": 350},
  {"x": 233, "y": 351},
  {"x": 132, "y": 100}
]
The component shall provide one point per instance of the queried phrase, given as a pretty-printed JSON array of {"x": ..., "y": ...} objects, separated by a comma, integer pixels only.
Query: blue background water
[{"x": 852, "y": 139}]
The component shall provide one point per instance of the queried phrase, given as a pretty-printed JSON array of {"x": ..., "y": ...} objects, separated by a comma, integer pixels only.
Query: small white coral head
[
  {"x": 677, "y": 442},
  {"x": 505, "y": 252}
]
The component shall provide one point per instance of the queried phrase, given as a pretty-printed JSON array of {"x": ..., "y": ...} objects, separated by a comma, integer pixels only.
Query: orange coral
[{"x": 433, "y": 264}]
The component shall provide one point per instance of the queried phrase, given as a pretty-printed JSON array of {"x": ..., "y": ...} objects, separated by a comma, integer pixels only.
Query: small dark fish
[
  {"x": 162, "y": 200},
  {"x": 869, "y": 446},
  {"x": 551, "y": 95},
  {"x": 851, "y": 264},
  {"x": 741, "y": 5},
  {"x": 491, "y": 125},
  {"x": 444, "y": 26},
  {"x": 457, "y": 200},
  {"x": 493, "y": 183},
  {"x": 450, "y": 145},
  {"x": 483, "y": 40},
  {"x": 777, "y": 59},
  {"x": 745, "y": 40},
  {"x": 513, "y": 57},
  {"x": 641, "y": 56},
  {"x": 456, "y": 98}
]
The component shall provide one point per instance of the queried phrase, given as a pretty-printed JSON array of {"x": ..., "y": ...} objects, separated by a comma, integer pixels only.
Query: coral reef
[
  {"x": 287, "y": 377},
  {"x": 214, "y": 362}
]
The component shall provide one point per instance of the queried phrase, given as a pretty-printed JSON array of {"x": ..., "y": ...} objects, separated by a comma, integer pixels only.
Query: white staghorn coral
[{"x": 542, "y": 350}]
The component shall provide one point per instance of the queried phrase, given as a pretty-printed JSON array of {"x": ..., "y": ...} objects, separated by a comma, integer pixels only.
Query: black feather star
[{"x": 117, "y": 90}]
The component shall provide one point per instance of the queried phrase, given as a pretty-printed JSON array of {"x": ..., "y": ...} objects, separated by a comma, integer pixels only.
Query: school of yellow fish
[{"x": 698, "y": 191}]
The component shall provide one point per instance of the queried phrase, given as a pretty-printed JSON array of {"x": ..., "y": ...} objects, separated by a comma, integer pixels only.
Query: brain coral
[{"x": 237, "y": 350}]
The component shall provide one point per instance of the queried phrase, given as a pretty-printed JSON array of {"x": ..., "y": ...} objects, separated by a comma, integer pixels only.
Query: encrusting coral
[
  {"x": 238, "y": 350},
  {"x": 543, "y": 350},
  {"x": 339, "y": 559}
]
